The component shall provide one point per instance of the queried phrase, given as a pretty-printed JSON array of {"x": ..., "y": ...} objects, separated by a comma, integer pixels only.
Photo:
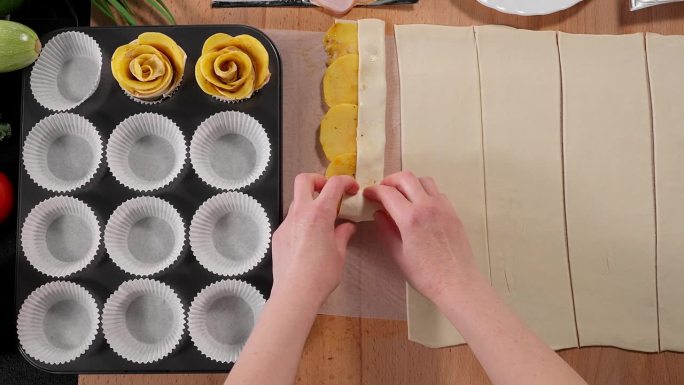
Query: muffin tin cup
[
  {"x": 67, "y": 71},
  {"x": 60, "y": 236},
  {"x": 144, "y": 236},
  {"x": 230, "y": 150},
  {"x": 230, "y": 234},
  {"x": 143, "y": 321},
  {"x": 222, "y": 317},
  {"x": 58, "y": 322},
  {"x": 62, "y": 152},
  {"x": 146, "y": 152}
]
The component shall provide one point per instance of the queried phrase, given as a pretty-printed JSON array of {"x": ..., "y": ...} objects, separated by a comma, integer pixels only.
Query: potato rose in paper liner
[
  {"x": 232, "y": 68},
  {"x": 150, "y": 67}
]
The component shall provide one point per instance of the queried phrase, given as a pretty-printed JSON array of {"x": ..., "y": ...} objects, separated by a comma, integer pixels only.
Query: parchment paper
[{"x": 372, "y": 286}]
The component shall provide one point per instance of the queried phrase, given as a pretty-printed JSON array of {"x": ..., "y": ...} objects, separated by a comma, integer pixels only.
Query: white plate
[{"x": 529, "y": 7}]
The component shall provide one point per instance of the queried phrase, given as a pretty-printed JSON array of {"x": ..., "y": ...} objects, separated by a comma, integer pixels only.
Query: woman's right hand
[
  {"x": 424, "y": 234},
  {"x": 430, "y": 245}
]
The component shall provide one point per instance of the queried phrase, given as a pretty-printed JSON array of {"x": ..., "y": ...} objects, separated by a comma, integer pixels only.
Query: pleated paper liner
[
  {"x": 60, "y": 236},
  {"x": 62, "y": 152},
  {"x": 58, "y": 322},
  {"x": 143, "y": 320},
  {"x": 144, "y": 236},
  {"x": 230, "y": 234},
  {"x": 67, "y": 71},
  {"x": 146, "y": 152},
  {"x": 162, "y": 98},
  {"x": 226, "y": 100},
  {"x": 222, "y": 317},
  {"x": 230, "y": 150}
]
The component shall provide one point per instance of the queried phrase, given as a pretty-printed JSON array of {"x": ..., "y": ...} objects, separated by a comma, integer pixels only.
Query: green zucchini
[{"x": 19, "y": 46}]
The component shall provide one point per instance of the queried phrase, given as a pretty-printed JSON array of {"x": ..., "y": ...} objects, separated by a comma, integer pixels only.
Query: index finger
[
  {"x": 335, "y": 188},
  {"x": 305, "y": 184},
  {"x": 407, "y": 183},
  {"x": 394, "y": 202}
]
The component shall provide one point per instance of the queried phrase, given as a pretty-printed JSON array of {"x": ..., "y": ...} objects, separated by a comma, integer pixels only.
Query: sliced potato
[
  {"x": 166, "y": 45},
  {"x": 227, "y": 56},
  {"x": 149, "y": 67},
  {"x": 253, "y": 47},
  {"x": 341, "y": 39},
  {"x": 344, "y": 164},
  {"x": 338, "y": 130},
  {"x": 340, "y": 82},
  {"x": 216, "y": 42}
]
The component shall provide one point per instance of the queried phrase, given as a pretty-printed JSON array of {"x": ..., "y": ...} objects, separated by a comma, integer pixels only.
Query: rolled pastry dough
[
  {"x": 521, "y": 121},
  {"x": 370, "y": 134},
  {"x": 665, "y": 62},
  {"x": 609, "y": 189},
  {"x": 442, "y": 138}
]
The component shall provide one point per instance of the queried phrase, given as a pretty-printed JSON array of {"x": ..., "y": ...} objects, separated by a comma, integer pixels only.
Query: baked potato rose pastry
[
  {"x": 232, "y": 67},
  {"x": 150, "y": 67}
]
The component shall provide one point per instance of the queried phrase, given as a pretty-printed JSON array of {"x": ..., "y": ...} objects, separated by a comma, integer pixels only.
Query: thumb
[
  {"x": 343, "y": 233},
  {"x": 389, "y": 232}
]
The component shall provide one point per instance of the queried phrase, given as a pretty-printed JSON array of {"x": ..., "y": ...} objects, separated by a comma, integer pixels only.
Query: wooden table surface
[{"x": 355, "y": 351}]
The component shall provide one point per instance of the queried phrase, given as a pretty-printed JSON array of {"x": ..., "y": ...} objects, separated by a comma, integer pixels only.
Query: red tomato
[{"x": 6, "y": 197}]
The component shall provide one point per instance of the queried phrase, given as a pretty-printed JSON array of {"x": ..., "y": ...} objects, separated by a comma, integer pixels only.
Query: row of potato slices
[{"x": 340, "y": 92}]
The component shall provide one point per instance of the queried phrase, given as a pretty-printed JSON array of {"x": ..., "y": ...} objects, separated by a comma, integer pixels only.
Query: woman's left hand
[{"x": 308, "y": 249}]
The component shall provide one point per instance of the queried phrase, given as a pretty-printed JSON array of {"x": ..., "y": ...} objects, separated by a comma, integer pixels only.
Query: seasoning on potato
[
  {"x": 341, "y": 39},
  {"x": 340, "y": 82},
  {"x": 338, "y": 130},
  {"x": 344, "y": 164}
]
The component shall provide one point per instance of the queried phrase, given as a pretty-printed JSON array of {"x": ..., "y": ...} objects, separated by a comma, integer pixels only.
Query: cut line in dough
[
  {"x": 442, "y": 137},
  {"x": 521, "y": 123},
  {"x": 609, "y": 189},
  {"x": 665, "y": 60}
]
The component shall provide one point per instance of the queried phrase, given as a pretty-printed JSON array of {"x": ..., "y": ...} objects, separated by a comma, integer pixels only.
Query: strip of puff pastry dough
[
  {"x": 665, "y": 62},
  {"x": 442, "y": 137},
  {"x": 370, "y": 132},
  {"x": 610, "y": 209}
]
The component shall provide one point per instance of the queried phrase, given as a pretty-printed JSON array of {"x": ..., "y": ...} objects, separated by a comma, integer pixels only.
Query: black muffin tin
[{"x": 188, "y": 107}]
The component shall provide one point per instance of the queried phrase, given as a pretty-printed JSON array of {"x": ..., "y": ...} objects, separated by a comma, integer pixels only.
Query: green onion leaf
[
  {"x": 173, "y": 19},
  {"x": 104, "y": 8},
  {"x": 123, "y": 12},
  {"x": 161, "y": 8}
]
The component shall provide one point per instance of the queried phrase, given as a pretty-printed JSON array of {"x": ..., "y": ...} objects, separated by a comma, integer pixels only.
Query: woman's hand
[
  {"x": 308, "y": 260},
  {"x": 308, "y": 249},
  {"x": 424, "y": 234},
  {"x": 430, "y": 245}
]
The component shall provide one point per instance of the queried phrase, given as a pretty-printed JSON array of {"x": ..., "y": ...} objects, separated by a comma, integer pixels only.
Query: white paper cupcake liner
[
  {"x": 58, "y": 322},
  {"x": 62, "y": 152},
  {"x": 67, "y": 71},
  {"x": 146, "y": 152},
  {"x": 222, "y": 317},
  {"x": 230, "y": 150},
  {"x": 60, "y": 236},
  {"x": 143, "y": 320},
  {"x": 162, "y": 98},
  {"x": 233, "y": 101},
  {"x": 230, "y": 234},
  {"x": 144, "y": 236}
]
